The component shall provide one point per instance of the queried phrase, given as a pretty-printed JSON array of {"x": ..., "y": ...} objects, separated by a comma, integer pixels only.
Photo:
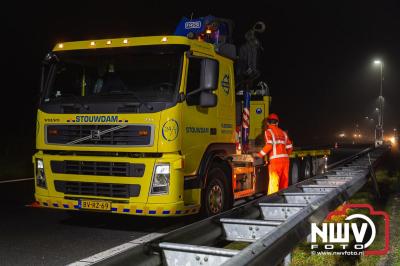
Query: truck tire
[
  {"x": 216, "y": 196},
  {"x": 294, "y": 171},
  {"x": 306, "y": 168}
]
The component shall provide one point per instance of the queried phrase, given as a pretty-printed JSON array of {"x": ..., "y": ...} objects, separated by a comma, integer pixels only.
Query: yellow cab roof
[{"x": 136, "y": 41}]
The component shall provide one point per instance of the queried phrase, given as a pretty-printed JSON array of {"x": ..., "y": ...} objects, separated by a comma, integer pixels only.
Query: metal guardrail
[{"x": 272, "y": 225}]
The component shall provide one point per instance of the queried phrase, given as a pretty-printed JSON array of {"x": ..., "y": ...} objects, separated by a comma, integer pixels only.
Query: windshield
[{"x": 133, "y": 74}]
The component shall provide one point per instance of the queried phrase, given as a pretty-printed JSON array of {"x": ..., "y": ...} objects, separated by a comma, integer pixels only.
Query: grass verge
[{"x": 388, "y": 177}]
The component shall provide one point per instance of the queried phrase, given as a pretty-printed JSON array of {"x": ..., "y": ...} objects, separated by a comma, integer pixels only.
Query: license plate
[{"x": 95, "y": 205}]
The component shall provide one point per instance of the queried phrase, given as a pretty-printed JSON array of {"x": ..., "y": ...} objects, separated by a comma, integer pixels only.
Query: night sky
[{"x": 317, "y": 57}]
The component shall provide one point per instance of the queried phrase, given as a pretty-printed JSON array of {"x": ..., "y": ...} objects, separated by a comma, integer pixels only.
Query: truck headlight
[
  {"x": 40, "y": 176},
  {"x": 160, "y": 182}
]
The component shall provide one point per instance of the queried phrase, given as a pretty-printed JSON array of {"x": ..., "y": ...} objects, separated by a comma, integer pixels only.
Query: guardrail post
[
  {"x": 373, "y": 177},
  {"x": 287, "y": 260}
]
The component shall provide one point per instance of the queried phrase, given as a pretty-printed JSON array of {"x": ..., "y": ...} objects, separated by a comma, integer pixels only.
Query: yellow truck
[{"x": 146, "y": 126}]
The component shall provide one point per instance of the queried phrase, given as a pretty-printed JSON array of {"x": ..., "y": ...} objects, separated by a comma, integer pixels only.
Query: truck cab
[{"x": 134, "y": 125}]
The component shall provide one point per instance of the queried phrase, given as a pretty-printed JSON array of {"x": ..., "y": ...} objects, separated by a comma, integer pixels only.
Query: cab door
[
  {"x": 226, "y": 102},
  {"x": 199, "y": 123}
]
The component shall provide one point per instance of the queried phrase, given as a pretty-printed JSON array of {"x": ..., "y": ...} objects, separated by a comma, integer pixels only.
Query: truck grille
[
  {"x": 97, "y": 168},
  {"x": 97, "y": 189},
  {"x": 101, "y": 135}
]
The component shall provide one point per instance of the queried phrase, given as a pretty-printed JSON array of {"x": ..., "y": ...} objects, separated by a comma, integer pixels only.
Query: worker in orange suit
[{"x": 277, "y": 147}]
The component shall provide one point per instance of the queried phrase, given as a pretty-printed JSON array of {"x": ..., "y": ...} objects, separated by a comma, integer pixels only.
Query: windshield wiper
[{"x": 130, "y": 93}]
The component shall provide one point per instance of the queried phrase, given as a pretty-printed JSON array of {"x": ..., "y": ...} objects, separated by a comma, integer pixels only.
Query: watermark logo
[{"x": 352, "y": 235}]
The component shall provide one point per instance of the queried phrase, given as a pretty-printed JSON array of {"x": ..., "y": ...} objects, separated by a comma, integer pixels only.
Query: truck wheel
[
  {"x": 306, "y": 168},
  {"x": 294, "y": 171},
  {"x": 216, "y": 196}
]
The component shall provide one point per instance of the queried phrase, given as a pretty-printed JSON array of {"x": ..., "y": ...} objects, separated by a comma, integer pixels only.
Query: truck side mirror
[
  {"x": 208, "y": 99},
  {"x": 209, "y": 74}
]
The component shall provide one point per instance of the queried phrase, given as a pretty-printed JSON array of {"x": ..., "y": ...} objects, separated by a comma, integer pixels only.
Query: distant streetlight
[
  {"x": 377, "y": 114},
  {"x": 379, "y": 127}
]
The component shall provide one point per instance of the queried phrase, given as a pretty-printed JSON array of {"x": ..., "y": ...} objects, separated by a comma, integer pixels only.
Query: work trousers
[{"x": 278, "y": 170}]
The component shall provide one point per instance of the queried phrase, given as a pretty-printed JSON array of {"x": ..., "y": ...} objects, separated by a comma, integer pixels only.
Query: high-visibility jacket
[{"x": 277, "y": 144}]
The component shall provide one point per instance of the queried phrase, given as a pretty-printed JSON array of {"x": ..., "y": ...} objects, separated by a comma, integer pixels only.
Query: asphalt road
[{"x": 36, "y": 236}]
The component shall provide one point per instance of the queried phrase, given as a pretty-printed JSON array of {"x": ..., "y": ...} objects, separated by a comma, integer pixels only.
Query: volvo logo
[{"x": 95, "y": 134}]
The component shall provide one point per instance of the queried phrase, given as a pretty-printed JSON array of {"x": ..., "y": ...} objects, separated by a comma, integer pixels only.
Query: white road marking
[
  {"x": 16, "y": 180},
  {"x": 79, "y": 263},
  {"x": 115, "y": 250}
]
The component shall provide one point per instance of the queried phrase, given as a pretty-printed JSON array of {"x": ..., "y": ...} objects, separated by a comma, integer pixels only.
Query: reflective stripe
[
  {"x": 266, "y": 136},
  {"x": 286, "y": 137},
  {"x": 273, "y": 140},
  {"x": 262, "y": 152},
  {"x": 276, "y": 142},
  {"x": 278, "y": 156}
]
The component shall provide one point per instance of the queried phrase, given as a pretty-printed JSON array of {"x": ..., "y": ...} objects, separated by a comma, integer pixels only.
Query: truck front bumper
[
  {"x": 139, "y": 202},
  {"x": 165, "y": 209}
]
